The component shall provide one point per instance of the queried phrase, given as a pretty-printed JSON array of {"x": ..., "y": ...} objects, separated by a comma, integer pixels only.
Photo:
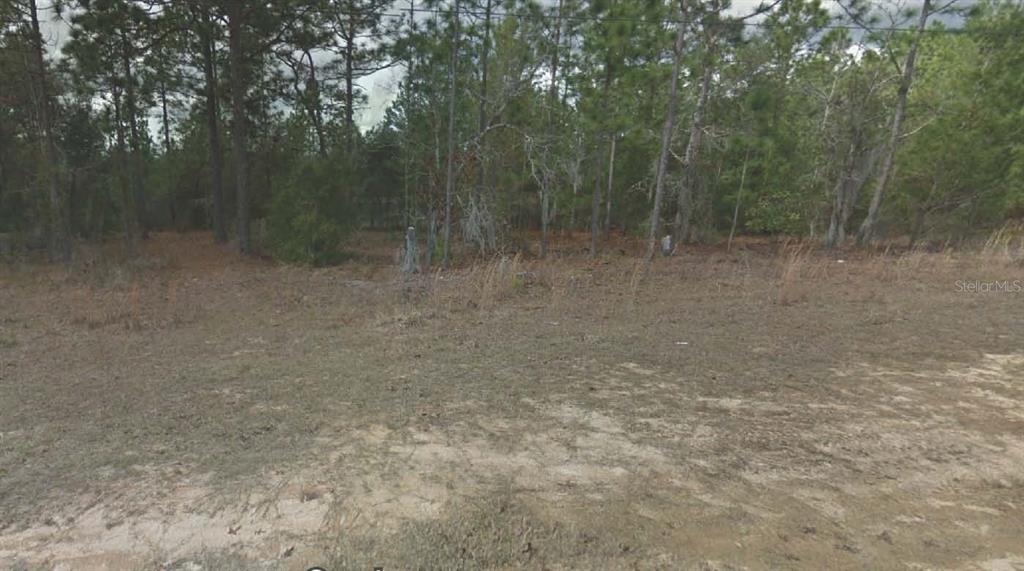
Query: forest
[{"x": 845, "y": 122}]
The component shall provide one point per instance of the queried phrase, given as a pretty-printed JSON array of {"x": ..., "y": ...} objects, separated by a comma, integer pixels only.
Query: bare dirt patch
[{"x": 768, "y": 408}]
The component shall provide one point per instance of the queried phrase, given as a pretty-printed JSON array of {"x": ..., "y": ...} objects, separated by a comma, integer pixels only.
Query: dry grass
[
  {"x": 489, "y": 285},
  {"x": 493, "y": 532},
  {"x": 1006, "y": 243},
  {"x": 804, "y": 266},
  {"x": 514, "y": 412},
  {"x": 792, "y": 281},
  {"x": 492, "y": 282}
]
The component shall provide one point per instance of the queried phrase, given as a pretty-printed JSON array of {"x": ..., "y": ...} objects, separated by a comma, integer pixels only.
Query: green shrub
[{"x": 312, "y": 213}]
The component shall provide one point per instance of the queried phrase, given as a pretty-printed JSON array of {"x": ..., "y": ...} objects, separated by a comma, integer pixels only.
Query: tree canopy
[{"x": 688, "y": 117}]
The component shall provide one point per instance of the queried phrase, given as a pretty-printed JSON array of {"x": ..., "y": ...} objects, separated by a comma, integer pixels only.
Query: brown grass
[{"x": 513, "y": 412}]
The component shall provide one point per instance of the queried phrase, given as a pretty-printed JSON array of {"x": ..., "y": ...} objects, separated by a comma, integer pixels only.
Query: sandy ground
[{"x": 767, "y": 408}]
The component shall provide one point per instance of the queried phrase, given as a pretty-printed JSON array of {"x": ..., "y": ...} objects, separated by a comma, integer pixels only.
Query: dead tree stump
[
  {"x": 666, "y": 245},
  {"x": 411, "y": 259}
]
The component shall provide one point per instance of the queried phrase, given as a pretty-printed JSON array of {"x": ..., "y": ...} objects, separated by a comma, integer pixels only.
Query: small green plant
[
  {"x": 311, "y": 215},
  {"x": 518, "y": 282},
  {"x": 437, "y": 254}
]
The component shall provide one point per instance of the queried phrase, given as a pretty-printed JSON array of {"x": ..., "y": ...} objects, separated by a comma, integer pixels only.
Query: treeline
[{"x": 688, "y": 117}]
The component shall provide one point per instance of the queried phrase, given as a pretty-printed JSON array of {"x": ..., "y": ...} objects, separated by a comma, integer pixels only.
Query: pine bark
[
  {"x": 682, "y": 228},
  {"x": 482, "y": 106},
  {"x": 127, "y": 200},
  {"x": 608, "y": 192},
  {"x": 315, "y": 107},
  {"x": 350, "y": 95},
  {"x": 239, "y": 127},
  {"x": 666, "y": 133},
  {"x": 212, "y": 111},
  {"x": 869, "y": 226},
  {"x": 450, "y": 178},
  {"x": 134, "y": 137},
  {"x": 739, "y": 196},
  {"x": 60, "y": 241},
  {"x": 552, "y": 102}
]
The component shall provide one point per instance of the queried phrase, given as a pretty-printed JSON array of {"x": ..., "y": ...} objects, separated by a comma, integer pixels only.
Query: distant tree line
[{"x": 687, "y": 117}]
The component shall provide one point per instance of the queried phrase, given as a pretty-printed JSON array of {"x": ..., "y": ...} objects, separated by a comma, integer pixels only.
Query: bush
[{"x": 312, "y": 213}]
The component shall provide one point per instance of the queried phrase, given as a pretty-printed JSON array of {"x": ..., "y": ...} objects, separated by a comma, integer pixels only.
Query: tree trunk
[
  {"x": 552, "y": 102},
  {"x": 239, "y": 126},
  {"x": 572, "y": 208},
  {"x": 553, "y": 86},
  {"x": 127, "y": 206},
  {"x": 479, "y": 214},
  {"x": 739, "y": 195},
  {"x": 166, "y": 119},
  {"x": 818, "y": 167},
  {"x": 837, "y": 222},
  {"x": 482, "y": 111},
  {"x": 407, "y": 148},
  {"x": 836, "y": 226},
  {"x": 450, "y": 179},
  {"x": 595, "y": 212},
  {"x": 666, "y": 132},
  {"x": 350, "y": 102},
  {"x": 134, "y": 141},
  {"x": 545, "y": 200},
  {"x": 60, "y": 240},
  {"x": 411, "y": 257},
  {"x": 172, "y": 195},
  {"x": 855, "y": 173},
  {"x": 72, "y": 195},
  {"x": 870, "y": 224},
  {"x": 220, "y": 232},
  {"x": 608, "y": 193},
  {"x": 431, "y": 236},
  {"x": 315, "y": 107},
  {"x": 595, "y": 204},
  {"x": 917, "y": 228},
  {"x": 684, "y": 203}
]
